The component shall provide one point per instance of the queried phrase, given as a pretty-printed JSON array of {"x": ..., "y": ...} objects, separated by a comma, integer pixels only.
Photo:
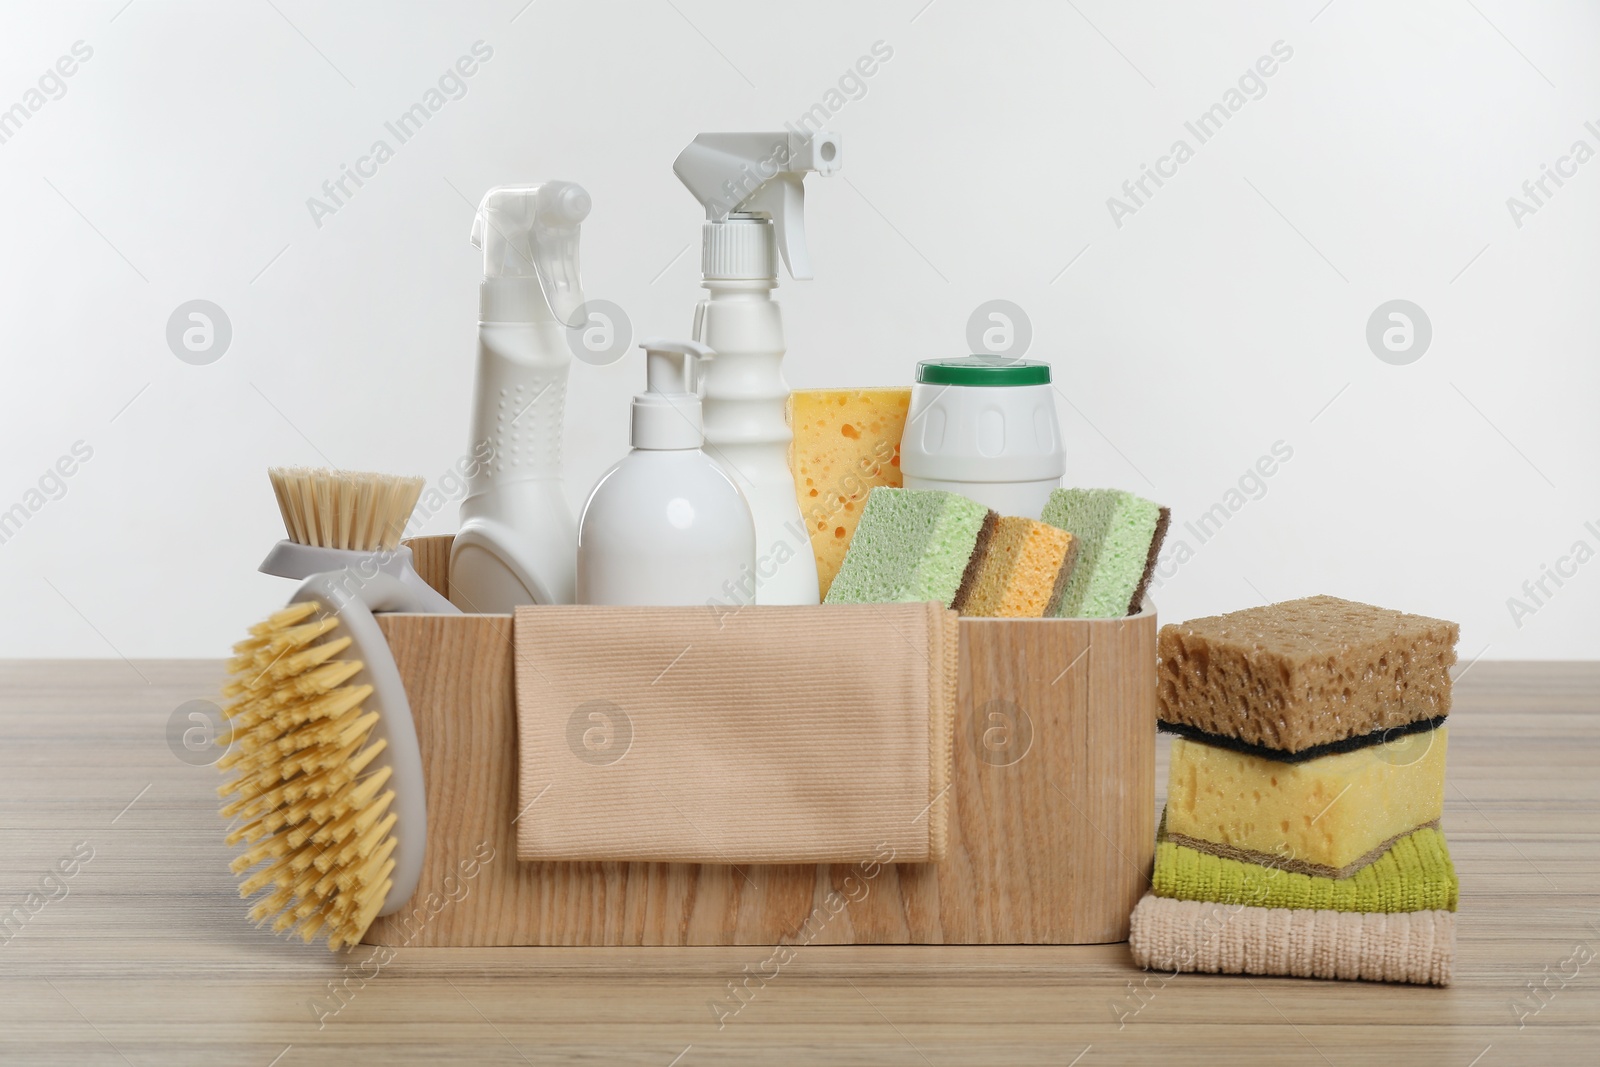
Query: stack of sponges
[
  {"x": 1304, "y": 794},
  {"x": 927, "y": 544},
  {"x": 1090, "y": 558}
]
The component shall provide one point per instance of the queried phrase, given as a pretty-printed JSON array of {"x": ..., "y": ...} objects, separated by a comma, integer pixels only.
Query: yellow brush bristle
[
  {"x": 344, "y": 509},
  {"x": 316, "y": 827}
]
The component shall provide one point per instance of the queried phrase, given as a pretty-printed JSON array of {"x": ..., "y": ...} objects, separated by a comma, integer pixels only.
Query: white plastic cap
[
  {"x": 667, "y": 414},
  {"x": 529, "y": 237},
  {"x": 745, "y": 179}
]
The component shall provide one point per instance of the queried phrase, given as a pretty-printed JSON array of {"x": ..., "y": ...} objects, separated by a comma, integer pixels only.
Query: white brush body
[{"x": 353, "y": 598}]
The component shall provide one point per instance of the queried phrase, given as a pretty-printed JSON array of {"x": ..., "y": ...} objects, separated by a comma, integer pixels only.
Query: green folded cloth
[{"x": 1414, "y": 875}]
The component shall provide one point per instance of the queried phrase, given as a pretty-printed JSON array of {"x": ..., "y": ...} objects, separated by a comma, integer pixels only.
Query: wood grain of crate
[{"x": 1051, "y": 833}]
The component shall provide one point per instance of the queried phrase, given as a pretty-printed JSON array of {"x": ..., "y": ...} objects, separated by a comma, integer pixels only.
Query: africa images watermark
[
  {"x": 1553, "y": 980},
  {"x": 1537, "y": 591},
  {"x": 450, "y": 486},
  {"x": 53, "y": 887},
  {"x": 451, "y": 85},
  {"x": 51, "y": 85},
  {"x": 51, "y": 486},
  {"x": 855, "y": 888},
  {"x": 1252, "y": 85},
  {"x": 1537, "y": 192},
  {"x": 852, "y": 85},
  {"x": 410, "y": 922},
  {"x": 1251, "y": 486},
  {"x": 741, "y": 182},
  {"x": 1209, "y": 928}
]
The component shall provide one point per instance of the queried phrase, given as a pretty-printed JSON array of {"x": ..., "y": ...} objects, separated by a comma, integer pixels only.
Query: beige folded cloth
[
  {"x": 1190, "y": 935},
  {"x": 759, "y": 735}
]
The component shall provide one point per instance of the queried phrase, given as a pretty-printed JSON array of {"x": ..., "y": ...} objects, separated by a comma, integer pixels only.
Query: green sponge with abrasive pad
[
  {"x": 913, "y": 545},
  {"x": 1119, "y": 535}
]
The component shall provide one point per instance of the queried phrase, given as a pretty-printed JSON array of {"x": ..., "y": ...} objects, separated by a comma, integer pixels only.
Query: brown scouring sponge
[{"x": 1304, "y": 674}]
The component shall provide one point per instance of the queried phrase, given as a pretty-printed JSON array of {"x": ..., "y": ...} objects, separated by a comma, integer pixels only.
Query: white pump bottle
[
  {"x": 751, "y": 187},
  {"x": 666, "y": 525},
  {"x": 517, "y": 539}
]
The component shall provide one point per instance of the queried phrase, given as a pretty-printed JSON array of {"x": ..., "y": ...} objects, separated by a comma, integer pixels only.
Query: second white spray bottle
[{"x": 751, "y": 187}]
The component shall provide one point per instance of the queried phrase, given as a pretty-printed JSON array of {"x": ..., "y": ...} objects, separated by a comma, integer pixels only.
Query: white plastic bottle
[
  {"x": 666, "y": 525},
  {"x": 751, "y": 187},
  {"x": 516, "y": 544},
  {"x": 984, "y": 427}
]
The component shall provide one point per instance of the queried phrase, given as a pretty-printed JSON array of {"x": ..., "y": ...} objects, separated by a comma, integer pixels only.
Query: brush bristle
[
  {"x": 311, "y": 806},
  {"x": 344, "y": 509}
]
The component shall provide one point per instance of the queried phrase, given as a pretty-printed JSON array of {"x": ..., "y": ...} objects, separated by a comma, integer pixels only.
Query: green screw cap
[{"x": 983, "y": 371}]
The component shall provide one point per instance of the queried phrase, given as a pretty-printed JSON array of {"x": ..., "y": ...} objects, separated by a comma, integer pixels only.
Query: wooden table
[{"x": 147, "y": 958}]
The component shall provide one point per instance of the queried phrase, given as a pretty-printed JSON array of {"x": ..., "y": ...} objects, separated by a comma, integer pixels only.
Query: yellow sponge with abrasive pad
[{"x": 1328, "y": 816}]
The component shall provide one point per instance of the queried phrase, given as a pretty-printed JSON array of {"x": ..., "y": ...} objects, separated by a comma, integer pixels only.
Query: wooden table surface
[{"x": 143, "y": 955}]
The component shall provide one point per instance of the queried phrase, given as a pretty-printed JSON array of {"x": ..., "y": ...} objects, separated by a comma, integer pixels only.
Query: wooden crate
[{"x": 1051, "y": 829}]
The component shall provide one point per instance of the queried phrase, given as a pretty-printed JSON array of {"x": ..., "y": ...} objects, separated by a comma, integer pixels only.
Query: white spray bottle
[
  {"x": 518, "y": 540},
  {"x": 751, "y": 187}
]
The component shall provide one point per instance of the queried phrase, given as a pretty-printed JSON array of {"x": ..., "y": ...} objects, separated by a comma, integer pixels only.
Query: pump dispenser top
[
  {"x": 517, "y": 536},
  {"x": 751, "y": 186},
  {"x": 667, "y": 414}
]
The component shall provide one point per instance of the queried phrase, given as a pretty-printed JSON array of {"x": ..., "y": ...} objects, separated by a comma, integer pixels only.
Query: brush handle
[{"x": 289, "y": 559}]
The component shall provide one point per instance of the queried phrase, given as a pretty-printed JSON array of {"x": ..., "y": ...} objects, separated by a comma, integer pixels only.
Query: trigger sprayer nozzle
[
  {"x": 756, "y": 176},
  {"x": 531, "y": 232}
]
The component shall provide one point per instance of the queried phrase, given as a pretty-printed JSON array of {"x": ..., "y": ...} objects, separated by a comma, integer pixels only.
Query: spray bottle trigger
[{"x": 784, "y": 199}]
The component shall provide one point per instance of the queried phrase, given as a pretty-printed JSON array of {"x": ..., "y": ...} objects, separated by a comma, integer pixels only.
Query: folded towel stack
[{"x": 1304, "y": 793}]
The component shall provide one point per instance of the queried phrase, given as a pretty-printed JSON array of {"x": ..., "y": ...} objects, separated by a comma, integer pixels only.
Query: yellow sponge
[
  {"x": 1328, "y": 816},
  {"x": 846, "y": 443},
  {"x": 1024, "y": 572}
]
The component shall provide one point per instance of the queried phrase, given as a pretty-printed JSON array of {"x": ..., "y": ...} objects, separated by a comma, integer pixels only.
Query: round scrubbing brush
[{"x": 327, "y": 779}]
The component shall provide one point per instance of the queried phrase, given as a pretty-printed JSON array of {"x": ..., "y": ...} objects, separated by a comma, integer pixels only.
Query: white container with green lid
[{"x": 984, "y": 427}]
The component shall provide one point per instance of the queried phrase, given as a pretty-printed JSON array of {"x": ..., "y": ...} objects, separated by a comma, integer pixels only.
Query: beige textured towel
[
  {"x": 761, "y": 735},
  {"x": 1189, "y": 935}
]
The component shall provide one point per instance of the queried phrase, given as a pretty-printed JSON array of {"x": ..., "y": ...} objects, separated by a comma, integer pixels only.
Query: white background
[{"x": 1227, "y": 314}]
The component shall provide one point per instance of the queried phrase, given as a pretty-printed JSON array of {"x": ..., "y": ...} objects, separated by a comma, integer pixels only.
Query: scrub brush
[
  {"x": 347, "y": 519},
  {"x": 327, "y": 785}
]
